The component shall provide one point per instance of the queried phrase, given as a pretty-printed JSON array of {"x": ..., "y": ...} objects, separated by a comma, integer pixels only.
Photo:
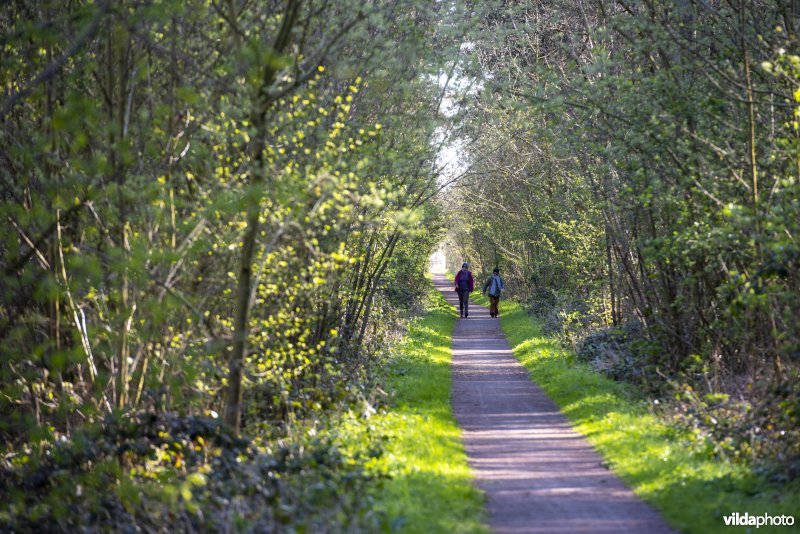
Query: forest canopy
[{"x": 218, "y": 217}]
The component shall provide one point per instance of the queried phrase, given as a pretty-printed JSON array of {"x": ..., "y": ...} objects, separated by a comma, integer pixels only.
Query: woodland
[{"x": 218, "y": 216}]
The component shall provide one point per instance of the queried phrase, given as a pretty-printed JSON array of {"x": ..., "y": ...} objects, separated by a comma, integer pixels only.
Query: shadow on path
[{"x": 538, "y": 474}]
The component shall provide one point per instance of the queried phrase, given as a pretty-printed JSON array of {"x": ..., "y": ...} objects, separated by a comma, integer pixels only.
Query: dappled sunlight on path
[{"x": 539, "y": 475}]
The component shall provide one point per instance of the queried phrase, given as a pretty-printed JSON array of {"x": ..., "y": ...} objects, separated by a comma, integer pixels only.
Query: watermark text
[{"x": 765, "y": 520}]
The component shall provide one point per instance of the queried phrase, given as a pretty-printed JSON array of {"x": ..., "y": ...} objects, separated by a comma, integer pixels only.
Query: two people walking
[{"x": 465, "y": 284}]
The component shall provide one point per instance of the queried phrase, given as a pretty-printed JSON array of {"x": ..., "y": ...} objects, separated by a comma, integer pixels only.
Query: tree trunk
[{"x": 263, "y": 101}]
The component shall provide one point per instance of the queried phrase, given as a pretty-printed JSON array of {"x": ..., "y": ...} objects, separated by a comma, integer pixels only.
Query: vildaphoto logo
[{"x": 746, "y": 520}]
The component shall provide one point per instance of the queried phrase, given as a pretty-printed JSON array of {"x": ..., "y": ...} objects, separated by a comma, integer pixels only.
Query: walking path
[{"x": 538, "y": 474}]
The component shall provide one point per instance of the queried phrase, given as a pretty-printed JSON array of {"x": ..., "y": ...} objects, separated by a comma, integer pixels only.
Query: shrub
[
  {"x": 766, "y": 433},
  {"x": 616, "y": 352}
]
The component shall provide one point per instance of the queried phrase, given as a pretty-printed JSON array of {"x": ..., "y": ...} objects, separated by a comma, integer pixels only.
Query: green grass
[
  {"x": 430, "y": 489},
  {"x": 692, "y": 490},
  {"x": 479, "y": 298}
]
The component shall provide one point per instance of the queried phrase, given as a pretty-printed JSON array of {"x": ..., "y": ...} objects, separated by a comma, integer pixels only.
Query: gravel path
[{"x": 538, "y": 474}]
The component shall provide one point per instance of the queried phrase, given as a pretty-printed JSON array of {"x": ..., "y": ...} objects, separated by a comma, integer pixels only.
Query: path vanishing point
[{"x": 538, "y": 474}]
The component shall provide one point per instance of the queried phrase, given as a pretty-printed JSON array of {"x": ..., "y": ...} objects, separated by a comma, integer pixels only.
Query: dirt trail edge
[{"x": 538, "y": 474}]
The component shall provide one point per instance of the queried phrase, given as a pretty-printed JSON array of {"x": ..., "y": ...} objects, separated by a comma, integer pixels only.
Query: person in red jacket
[{"x": 464, "y": 286}]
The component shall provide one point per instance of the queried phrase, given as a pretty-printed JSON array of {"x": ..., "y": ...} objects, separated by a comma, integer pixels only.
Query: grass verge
[
  {"x": 430, "y": 487},
  {"x": 692, "y": 490}
]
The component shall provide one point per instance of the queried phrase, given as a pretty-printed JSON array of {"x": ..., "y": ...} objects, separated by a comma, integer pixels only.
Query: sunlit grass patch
[
  {"x": 430, "y": 486},
  {"x": 691, "y": 489}
]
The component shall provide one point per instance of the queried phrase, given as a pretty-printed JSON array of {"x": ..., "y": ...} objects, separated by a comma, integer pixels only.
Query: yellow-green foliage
[
  {"x": 692, "y": 490},
  {"x": 430, "y": 488}
]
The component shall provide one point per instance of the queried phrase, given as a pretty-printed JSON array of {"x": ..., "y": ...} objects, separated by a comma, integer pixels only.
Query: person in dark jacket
[
  {"x": 464, "y": 286},
  {"x": 495, "y": 286}
]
